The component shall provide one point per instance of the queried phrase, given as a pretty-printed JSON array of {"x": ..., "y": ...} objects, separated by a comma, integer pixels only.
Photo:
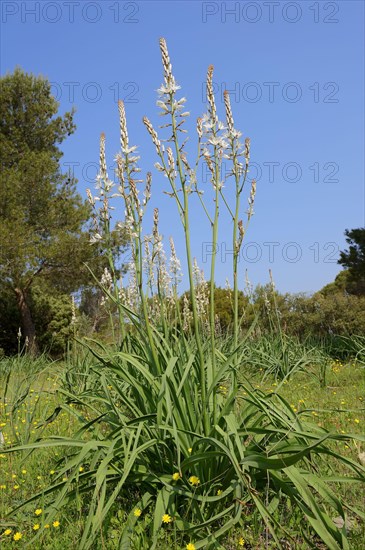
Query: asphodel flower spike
[
  {"x": 153, "y": 134},
  {"x": 210, "y": 95},
  {"x": 103, "y": 169},
  {"x": 229, "y": 116},
  {"x": 166, "y": 63},
  {"x": 123, "y": 127}
]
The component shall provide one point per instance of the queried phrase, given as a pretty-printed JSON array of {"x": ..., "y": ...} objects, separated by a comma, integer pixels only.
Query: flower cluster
[
  {"x": 101, "y": 216},
  {"x": 202, "y": 291}
]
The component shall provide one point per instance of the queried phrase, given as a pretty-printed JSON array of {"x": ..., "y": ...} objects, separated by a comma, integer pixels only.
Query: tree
[
  {"x": 341, "y": 284},
  {"x": 223, "y": 300},
  {"x": 224, "y": 306},
  {"x": 42, "y": 218},
  {"x": 354, "y": 260}
]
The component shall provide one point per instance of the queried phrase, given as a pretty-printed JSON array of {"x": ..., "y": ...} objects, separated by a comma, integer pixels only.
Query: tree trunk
[{"x": 28, "y": 328}]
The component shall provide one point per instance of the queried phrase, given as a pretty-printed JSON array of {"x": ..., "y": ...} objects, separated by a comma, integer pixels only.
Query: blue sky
[{"x": 296, "y": 69}]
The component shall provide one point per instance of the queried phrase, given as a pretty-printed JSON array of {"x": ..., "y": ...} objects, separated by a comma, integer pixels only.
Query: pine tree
[{"x": 42, "y": 218}]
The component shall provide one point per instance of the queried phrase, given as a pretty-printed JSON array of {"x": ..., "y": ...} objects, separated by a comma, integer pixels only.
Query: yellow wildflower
[
  {"x": 7, "y": 532},
  {"x": 56, "y": 524},
  {"x": 166, "y": 518},
  {"x": 219, "y": 492},
  {"x": 194, "y": 480},
  {"x": 137, "y": 512},
  {"x": 46, "y": 526},
  {"x": 36, "y": 527},
  {"x": 190, "y": 546},
  {"x": 38, "y": 511},
  {"x": 17, "y": 536},
  {"x": 241, "y": 542},
  {"x": 176, "y": 476}
]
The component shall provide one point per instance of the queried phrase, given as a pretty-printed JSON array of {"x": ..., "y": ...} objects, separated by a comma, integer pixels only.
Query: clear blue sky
[{"x": 297, "y": 72}]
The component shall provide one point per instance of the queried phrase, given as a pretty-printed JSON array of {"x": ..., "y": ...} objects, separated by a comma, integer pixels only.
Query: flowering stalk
[
  {"x": 162, "y": 275},
  {"x": 127, "y": 168},
  {"x": 212, "y": 127},
  {"x": 239, "y": 171},
  {"x": 101, "y": 222},
  {"x": 173, "y": 108},
  {"x": 175, "y": 269}
]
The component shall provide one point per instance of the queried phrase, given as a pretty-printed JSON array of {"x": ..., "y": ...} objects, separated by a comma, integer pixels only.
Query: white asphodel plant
[{"x": 218, "y": 142}]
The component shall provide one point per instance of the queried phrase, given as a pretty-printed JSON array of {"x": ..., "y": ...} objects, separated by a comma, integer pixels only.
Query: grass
[{"x": 33, "y": 389}]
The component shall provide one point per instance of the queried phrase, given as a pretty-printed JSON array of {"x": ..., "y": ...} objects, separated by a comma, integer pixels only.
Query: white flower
[
  {"x": 170, "y": 88},
  {"x": 218, "y": 142},
  {"x": 236, "y": 133},
  {"x": 90, "y": 197},
  {"x": 175, "y": 265},
  {"x": 106, "y": 278},
  {"x": 162, "y": 104},
  {"x": 95, "y": 238},
  {"x": 128, "y": 150}
]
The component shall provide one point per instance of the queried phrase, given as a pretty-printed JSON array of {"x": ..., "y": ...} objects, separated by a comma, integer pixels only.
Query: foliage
[
  {"x": 52, "y": 316},
  {"x": 224, "y": 307},
  {"x": 53, "y": 319},
  {"x": 354, "y": 260},
  {"x": 9, "y": 321},
  {"x": 327, "y": 408},
  {"x": 43, "y": 220},
  {"x": 282, "y": 356},
  {"x": 41, "y": 215},
  {"x": 326, "y": 314},
  {"x": 224, "y": 310}
]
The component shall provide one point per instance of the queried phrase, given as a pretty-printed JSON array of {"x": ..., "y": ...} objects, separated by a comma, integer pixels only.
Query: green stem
[
  {"x": 185, "y": 212},
  {"x": 139, "y": 274},
  {"x": 236, "y": 251},
  {"x": 212, "y": 279}
]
